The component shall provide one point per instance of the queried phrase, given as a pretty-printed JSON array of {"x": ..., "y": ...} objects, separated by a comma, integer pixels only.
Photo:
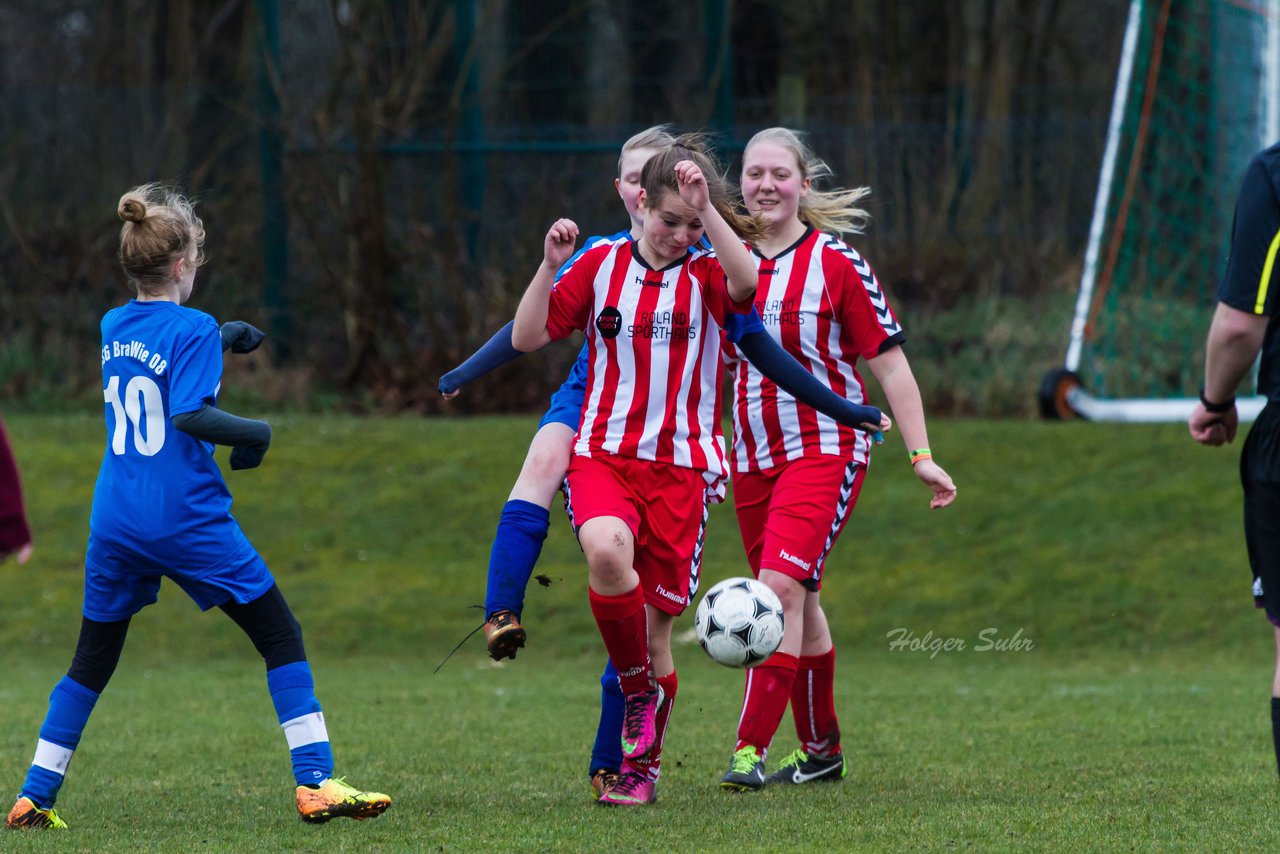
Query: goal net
[{"x": 1195, "y": 97}]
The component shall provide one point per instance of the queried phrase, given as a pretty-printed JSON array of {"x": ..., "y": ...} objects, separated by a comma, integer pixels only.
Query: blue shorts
[
  {"x": 566, "y": 403},
  {"x": 119, "y": 582}
]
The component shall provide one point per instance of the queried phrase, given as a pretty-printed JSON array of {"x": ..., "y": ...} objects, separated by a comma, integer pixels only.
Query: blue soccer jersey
[{"x": 160, "y": 497}]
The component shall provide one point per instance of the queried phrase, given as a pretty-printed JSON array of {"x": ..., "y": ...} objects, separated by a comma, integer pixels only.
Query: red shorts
[
  {"x": 790, "y": 515},
  {"x": 665, "y": 507}
]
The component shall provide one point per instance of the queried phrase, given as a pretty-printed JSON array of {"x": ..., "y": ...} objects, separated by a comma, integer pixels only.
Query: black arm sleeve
[
  {"x": 778, "y": 365},
  {"x": 249, "y": 438},
  {"x": 240, "y": 337}
]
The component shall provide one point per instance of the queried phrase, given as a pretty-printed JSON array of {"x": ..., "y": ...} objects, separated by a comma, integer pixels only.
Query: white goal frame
[{"x": 1072, "y": 393}]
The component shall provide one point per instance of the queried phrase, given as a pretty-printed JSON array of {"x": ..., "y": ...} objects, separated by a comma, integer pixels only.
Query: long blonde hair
[
  {"x": 834, "y": 210},
  {"x": 658, "y": 177},
  {"x": 160, "y": 226}
]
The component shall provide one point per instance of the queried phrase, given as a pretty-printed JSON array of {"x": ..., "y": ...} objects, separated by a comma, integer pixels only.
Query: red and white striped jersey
[
  {"x": 821, "y": 302},
  {"x": 655, "y": 355}
]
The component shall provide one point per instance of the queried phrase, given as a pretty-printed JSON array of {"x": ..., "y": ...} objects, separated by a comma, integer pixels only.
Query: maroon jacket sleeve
[{"x": 14, "y": 532}]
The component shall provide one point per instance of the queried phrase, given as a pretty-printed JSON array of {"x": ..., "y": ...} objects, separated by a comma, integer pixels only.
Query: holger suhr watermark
[{"x": 902, "y": 639}]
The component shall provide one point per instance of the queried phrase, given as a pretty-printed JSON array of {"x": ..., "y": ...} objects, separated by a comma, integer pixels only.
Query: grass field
[{"x": 1136, "y": 720}]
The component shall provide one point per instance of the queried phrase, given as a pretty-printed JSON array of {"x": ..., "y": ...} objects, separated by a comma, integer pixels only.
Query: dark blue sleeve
[
  {"x": 495, "y": 353},
  {"x": 738, "y": 325},
  {"x": 778, "y": 365}
]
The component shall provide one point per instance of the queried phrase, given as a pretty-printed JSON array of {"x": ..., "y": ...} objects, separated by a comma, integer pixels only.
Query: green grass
[{"x": 1137, "y": 720}]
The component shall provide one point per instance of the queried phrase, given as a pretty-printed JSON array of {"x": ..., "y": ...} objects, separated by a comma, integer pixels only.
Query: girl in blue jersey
[{"x": 162, "y": 509}]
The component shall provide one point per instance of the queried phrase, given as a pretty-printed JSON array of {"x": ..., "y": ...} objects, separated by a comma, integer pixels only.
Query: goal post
[{"x": 1195, "y": 97}]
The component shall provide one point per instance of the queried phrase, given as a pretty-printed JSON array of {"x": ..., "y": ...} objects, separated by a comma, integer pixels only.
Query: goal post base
[
  {"x": 1063, "y": 397},
  {"x": 1139, "y": 411}
]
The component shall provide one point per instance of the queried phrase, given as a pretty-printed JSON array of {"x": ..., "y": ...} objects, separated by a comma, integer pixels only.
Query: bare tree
[{"x": 373, "y": 72}]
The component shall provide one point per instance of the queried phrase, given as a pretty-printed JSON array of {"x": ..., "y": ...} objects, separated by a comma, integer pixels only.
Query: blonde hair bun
[{"x": 133, "y": 208}]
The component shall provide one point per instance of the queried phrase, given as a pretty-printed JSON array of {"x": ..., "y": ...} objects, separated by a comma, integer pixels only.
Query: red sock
[
  {"x": 625, "y": 629},
  {"x": 764, "y": 699},
  {"x": 651, "y": 762},
  {"x": 813, "y": 704}
]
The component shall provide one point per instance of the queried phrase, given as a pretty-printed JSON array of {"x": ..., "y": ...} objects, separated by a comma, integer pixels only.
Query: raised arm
[
  {"x": 734, "y": 258},
  {"x": 530, "y": 326}
]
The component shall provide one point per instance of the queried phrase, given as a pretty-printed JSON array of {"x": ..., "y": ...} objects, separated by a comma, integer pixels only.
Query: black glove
[
  {"x": 240, "y": 337},
  {"x": 250, "y": 456}
]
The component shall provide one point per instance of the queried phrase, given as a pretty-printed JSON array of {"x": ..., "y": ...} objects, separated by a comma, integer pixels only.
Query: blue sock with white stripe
[
  {"x": 293, "y": 693},
  {"x": 516, "y": 547},
  {"x": 70, "y": 705}
]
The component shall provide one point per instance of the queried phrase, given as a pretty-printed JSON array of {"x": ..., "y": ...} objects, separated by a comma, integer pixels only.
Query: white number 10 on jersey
[{"x": 142, "y": 403}]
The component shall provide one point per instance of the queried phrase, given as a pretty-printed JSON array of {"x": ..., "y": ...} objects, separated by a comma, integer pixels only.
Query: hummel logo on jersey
[
  {"x": 651, "y": 281},
  {"x": 609, "y": 322}
]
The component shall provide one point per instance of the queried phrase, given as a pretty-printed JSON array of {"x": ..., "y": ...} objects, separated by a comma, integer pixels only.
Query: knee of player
[
  {"x": 606, "y": 550},
  {"x": 544, "y": 468},
  {"x": 791, "y": 593}
]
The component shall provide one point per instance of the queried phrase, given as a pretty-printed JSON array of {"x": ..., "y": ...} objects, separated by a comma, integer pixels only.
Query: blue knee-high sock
[
  {"x": 607, "y": 752},
  {"x": 70, "y": 705},
  {"x": 293, "y": 693},
  {"x": 516, "y": 546}
]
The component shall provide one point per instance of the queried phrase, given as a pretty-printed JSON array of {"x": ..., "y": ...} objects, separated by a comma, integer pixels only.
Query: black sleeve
[
  {"x": 240, "y": 337},
  {"x": 1247, "y": 284},
  {"x": 249, "y": 438}
]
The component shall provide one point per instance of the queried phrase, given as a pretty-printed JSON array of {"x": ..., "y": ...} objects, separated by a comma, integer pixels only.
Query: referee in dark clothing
[{"x": 1244, "y": 325}]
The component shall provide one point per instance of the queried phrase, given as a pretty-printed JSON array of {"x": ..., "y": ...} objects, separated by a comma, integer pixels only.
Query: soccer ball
[{"x": 739, "y": 622}]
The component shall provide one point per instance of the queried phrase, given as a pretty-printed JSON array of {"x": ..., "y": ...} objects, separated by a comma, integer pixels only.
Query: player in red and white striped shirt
[
  {"x": 649, "y": 451},
  {"x": 796, "y": 472}
]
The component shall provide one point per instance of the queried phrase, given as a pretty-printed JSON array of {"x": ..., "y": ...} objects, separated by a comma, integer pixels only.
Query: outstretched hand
[
  {"x": 938, "y": 481},
  {"x": 692, "y": 184},
  {"x": 558, "y": 245}
]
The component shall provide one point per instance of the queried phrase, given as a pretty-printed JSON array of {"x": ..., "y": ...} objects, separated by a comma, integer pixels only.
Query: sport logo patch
[{"x": 609, "y": 322}]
